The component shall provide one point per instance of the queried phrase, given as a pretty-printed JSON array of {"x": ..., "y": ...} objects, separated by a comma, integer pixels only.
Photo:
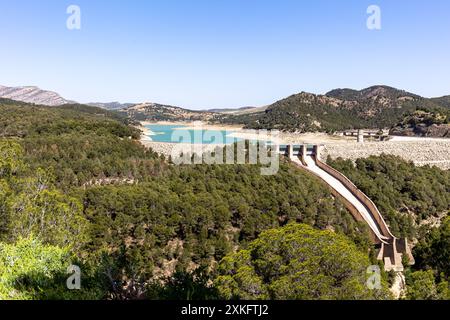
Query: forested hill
[
  {"x": 160, "y": 112},
  {"x": 377, "y": 107},
  {"x": 443, "y": 101},
  {"x": 78, "y": 143},
  {"x": 389, "y": 93}
]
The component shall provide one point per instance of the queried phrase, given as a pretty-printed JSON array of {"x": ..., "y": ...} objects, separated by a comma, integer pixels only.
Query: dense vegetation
[
  {"x": 79, "y": 144},
  {"x": 196, "y": 215},
  {"x": 433, "y": 250},
  {"x": 193, "y": 216},
  {"x": 31, "y": 270},
  {"x": 422, "y": 285},
  {"x": 297, "y": 262},
  {"x": 77, "y": 188},
  {"x": 429, "y": 277}
]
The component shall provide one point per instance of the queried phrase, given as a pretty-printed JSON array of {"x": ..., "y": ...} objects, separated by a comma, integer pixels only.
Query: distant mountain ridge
[{"x": 34, "y": 95}]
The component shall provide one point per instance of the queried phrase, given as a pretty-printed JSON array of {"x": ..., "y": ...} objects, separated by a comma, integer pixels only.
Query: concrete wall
[
  {"x": 402, "y": 246},
  {"x": 355, "y": 213},
  {"x": 391, "y": 249},
  {"x": 391, "y": 252},
  {"x": 363, "y": 198}
]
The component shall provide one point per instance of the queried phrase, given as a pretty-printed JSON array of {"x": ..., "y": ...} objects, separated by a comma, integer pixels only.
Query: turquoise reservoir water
[{"x": 176, "y": 134}]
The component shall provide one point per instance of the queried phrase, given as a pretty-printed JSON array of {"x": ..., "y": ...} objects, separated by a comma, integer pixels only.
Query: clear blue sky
[{"x": 223, "y": 53}]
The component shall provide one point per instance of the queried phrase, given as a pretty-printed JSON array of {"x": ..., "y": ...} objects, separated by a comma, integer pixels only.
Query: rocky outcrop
[
  {"x": 32, "y": 95},
  {"x": 424, "y": 123},
  {"x": 437, "y": 131}
]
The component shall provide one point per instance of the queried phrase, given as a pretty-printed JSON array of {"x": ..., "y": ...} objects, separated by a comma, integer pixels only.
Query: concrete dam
[{"x": 362, "y": 208}]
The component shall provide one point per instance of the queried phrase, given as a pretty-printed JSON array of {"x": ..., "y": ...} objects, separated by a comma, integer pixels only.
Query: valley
[{"x": 127, "y": 206}]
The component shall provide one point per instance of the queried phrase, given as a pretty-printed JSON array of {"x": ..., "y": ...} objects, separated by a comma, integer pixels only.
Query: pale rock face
[{"x": 32, "y": 95}]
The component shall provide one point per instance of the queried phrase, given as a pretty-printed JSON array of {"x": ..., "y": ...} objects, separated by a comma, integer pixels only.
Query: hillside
[
  {"x": 375, "y": 107},
  {"x": 231, "y": 110},
  {"x": 78, "y": 143},
  {"x": 160, "y": 112},
  {"x": 111, "y": 105},
  {"x": 443, "y": 101},
  {"x": 389, "y": 93},
  {"x": 424, "y": 123}
]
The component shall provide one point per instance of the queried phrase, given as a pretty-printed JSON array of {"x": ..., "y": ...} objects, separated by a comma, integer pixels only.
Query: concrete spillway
[
  {"x": 360, "y": 205},
  {"x": 340, "y": 188}
]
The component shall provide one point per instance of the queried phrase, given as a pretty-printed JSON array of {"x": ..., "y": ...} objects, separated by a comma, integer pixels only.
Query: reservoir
[{"x": 183, "y": 134}]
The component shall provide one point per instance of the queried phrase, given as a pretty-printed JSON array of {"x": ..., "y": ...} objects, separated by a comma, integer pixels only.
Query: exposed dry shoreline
[
  {"x": 427, "y": 152},
  {"x": 421, "y": 151}
]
